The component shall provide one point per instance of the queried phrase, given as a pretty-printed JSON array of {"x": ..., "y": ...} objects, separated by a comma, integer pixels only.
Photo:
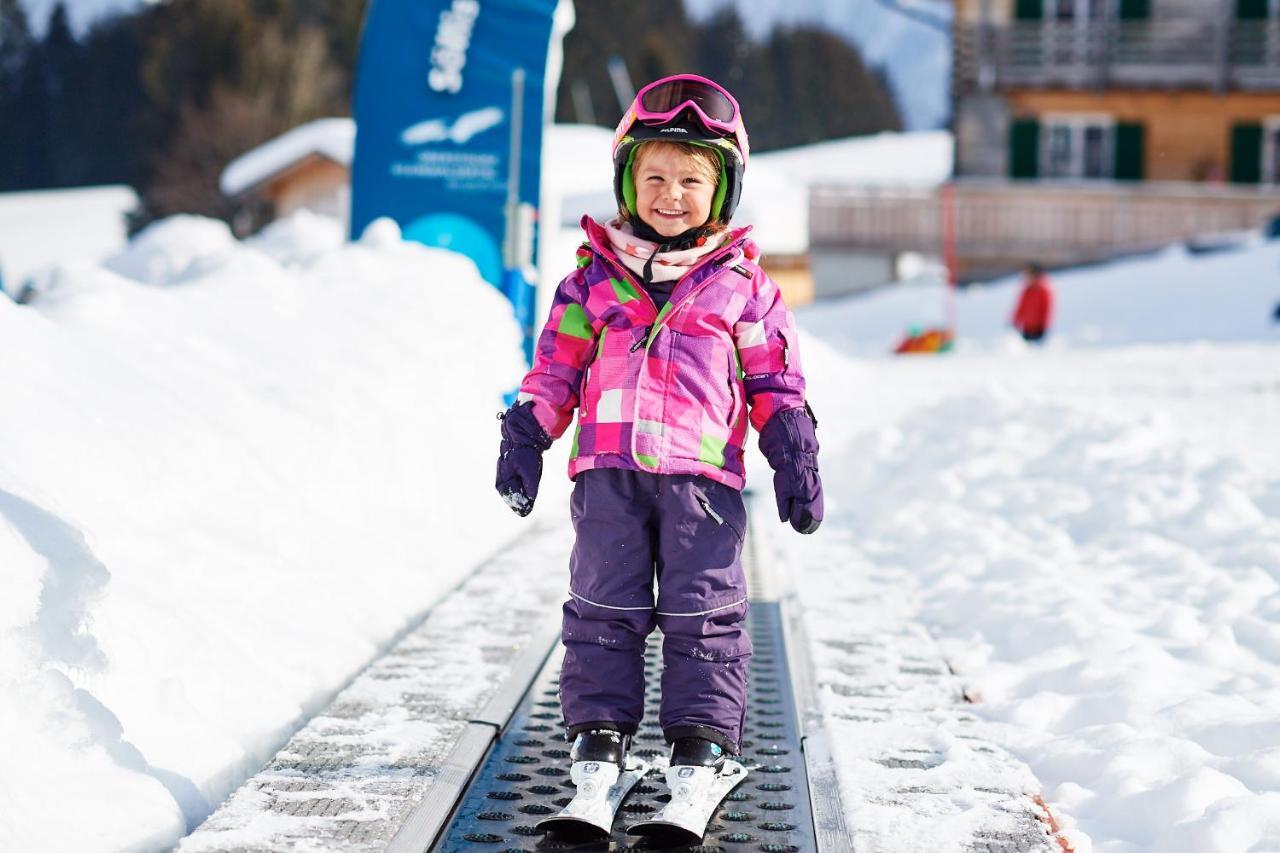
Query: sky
[{"x": 917, "y": 56}]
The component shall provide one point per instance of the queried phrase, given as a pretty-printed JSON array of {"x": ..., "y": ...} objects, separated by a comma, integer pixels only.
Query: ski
[
  {"x": 696, "y": 793},
  {"x": 601, "y": 790}
]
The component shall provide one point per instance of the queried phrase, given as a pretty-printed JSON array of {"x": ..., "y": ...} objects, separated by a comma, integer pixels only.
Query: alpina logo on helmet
[{"x": 673, "y": 130}]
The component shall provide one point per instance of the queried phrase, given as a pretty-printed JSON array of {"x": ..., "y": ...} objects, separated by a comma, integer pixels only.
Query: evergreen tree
[
  {"x": 16, "y": 46},
  {"x": 67, "y": 140},
  {"x": 654, "y": 38}
]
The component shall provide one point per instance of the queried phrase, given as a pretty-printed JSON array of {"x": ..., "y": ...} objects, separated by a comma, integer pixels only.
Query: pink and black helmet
[{"x": 684, "y": 108}]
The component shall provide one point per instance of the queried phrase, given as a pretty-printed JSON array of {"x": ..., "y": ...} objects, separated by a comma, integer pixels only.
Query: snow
[
  {"x": 920, "y": 159},
  {"x": 228, "y": 482},
  {"x": 334, "y": 138},
  {"x": 1090, "y": 531},
  {"x": 234, "y": 471},
  {"x": 47, "y": 227},
  {"x": 1171, "y": 296}
]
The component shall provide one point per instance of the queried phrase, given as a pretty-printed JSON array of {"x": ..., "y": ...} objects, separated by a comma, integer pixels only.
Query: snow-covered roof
[
  {"x": 43, "y": 227},
  {"x": 333, "y": 138}
]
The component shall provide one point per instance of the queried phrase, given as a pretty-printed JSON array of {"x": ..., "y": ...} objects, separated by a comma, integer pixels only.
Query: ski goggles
[{"x": 663, "y": 100}]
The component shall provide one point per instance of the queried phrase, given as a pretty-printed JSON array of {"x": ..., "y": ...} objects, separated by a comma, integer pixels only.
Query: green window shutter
[
  {"x": 1130, "y": 160},
  {"x": 1136, "y": 10},
  {"x": 1246, "y": 153},
  {"x": 1251, "y": 10},
  {"x": 1029, "y": 10},
  {"x": 1024, "y": 148}
]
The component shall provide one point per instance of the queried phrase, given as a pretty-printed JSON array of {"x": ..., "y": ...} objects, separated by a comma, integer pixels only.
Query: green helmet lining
[{"x": 629, "y": 184}]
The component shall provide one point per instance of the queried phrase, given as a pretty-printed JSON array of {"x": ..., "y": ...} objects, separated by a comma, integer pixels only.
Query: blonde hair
[{"x": 706, "y": 163}]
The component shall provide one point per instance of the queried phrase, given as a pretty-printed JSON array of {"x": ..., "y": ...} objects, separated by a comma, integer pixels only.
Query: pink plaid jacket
[{"x": 669, "y": 392}]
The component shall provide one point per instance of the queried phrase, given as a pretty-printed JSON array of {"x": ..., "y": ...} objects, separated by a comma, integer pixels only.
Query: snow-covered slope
[{"x": 1172, "y": 296}]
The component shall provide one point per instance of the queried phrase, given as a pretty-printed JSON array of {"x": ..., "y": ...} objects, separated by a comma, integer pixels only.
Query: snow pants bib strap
[{"x": 686, "y": 532}]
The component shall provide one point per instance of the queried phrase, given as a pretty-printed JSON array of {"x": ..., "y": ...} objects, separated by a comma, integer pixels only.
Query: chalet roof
[{"x": 331, "y": 138}]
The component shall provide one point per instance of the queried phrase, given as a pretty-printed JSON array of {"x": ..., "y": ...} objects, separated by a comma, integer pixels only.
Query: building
[
  {"x": 307, "y": 168},
  {"x": 1087, "y": 129},
  {"x": 1130, "y": 90}
]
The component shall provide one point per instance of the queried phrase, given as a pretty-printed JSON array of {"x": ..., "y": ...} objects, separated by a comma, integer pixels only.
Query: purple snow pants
[{"x": 685, "y": 532}]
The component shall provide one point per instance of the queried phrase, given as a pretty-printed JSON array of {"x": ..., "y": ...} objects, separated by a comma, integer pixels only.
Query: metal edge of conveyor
[
  {"x": 422, "y": 828},
  {"x": 820, "y": 770}
]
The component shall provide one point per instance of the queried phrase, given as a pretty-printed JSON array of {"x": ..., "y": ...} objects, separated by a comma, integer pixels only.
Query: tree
[
  {"x": 288, "y": 80},
  {"x": 66, "y": 136},
  {"x": 16, "y": 47}
]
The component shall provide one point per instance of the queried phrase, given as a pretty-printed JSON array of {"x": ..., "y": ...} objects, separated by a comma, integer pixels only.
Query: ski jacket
[
  {"x": 667, "y": 392},
  {"x": 1035, "y": 307}
]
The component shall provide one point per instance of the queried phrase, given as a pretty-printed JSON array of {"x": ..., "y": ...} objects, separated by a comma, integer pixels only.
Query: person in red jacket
[{"x": 1035, "y": 306}]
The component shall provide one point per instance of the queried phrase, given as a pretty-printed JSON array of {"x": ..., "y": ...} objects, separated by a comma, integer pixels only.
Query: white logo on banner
[
  {"x": 462, "y": 130},
  {"x": 453, "y": 38}
]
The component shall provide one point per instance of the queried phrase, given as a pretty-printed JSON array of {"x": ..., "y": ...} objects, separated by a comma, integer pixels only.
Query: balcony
[
  {"x": 1162, "y": 53},
  {"x": 999, "y": 225}
]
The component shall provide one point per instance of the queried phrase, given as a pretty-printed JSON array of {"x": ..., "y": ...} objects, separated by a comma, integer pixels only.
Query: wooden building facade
[{"x": 1128, "y": 90}]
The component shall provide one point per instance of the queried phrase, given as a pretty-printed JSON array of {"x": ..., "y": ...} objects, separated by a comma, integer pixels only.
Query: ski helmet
[{"x": 683, "y": 108}]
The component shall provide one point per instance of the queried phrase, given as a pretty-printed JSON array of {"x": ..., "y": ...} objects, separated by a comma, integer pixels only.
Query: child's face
[{"x": 673, "y": 192}]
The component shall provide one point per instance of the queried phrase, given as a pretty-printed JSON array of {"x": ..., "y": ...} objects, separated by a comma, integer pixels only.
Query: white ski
[
  {"x": 601, "y": 789},
  {"x": 696, "y": 792}
]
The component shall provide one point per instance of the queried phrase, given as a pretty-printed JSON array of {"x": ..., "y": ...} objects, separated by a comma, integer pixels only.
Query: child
[
  {"x": 1035, "y": 305},
  {"x": 667, "y": 339}
]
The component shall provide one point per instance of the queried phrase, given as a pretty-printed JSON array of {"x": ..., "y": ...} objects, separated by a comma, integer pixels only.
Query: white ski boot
[
  {"x": 603, "y": 774},
  {"x": 699, "y": 777}
]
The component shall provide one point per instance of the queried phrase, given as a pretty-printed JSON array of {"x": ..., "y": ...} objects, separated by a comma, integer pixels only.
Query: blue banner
[{"x": 450, "y": 104}]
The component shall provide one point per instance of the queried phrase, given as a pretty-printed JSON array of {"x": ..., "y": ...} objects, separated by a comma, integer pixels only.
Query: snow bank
[
  {"x": 232, "y": 472},
  {"x": 46, "y": 227}
]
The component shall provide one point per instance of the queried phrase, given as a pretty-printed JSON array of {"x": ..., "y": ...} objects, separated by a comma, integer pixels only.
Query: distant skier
[
  {"x": 667, "y": 339},
  {"x": 1034, "y": 313}
]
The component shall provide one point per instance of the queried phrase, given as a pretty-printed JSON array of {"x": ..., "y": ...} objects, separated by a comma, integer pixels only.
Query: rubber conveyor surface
[{"x": 526, "y": 775}]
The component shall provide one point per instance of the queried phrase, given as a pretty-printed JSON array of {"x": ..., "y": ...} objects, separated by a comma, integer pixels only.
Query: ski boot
[
  {"x": 695, "y": 764},
  {"x": 699, "y": 776},
  {"x": 603, "y": 775}
]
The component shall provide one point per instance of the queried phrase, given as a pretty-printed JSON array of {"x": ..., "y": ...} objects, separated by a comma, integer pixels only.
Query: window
[
  {"x": 1075, "y": 10},
  {"x": 1078, "y": 147},
  {"x": 1271, "y": 150}
]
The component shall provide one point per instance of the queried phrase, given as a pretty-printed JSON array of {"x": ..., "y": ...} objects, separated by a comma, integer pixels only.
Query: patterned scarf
[{"x": 637, "y": 253}]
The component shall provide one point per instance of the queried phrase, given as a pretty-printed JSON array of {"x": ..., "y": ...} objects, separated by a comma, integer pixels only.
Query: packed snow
[{"x": 235, "y": 470}]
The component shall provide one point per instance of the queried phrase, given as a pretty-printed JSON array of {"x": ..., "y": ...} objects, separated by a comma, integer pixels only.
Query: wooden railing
[
  {"x": 1207, "y": 52},
  {"x": 1000, "y": 224}
]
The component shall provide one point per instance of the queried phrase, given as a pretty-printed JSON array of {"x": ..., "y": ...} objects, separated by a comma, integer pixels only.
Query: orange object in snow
[{"x": 925, "y": 341}]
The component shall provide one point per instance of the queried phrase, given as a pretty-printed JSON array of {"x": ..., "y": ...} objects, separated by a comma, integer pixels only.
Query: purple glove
[
  {"x": 790, "y": 443},
  {"x": 520, "y": 457}
]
